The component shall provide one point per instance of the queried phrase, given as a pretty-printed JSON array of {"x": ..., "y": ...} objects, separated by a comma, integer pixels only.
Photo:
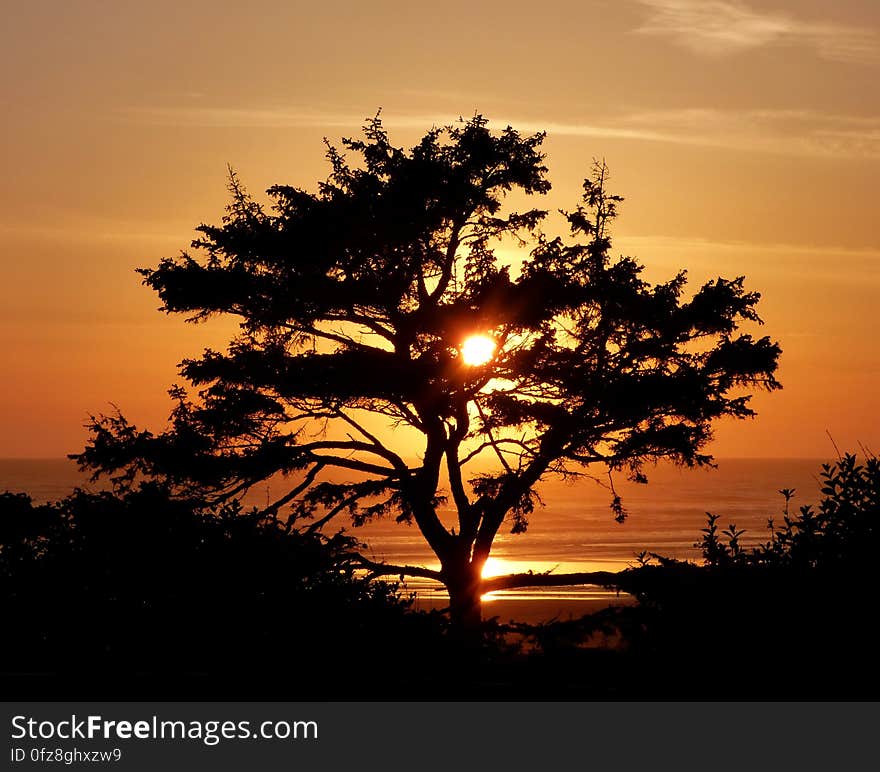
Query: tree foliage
[{"x": 354, "y": 301}]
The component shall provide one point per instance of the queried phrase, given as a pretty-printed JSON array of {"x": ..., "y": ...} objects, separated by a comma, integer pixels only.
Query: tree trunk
[{"x": 464, "y": 583}]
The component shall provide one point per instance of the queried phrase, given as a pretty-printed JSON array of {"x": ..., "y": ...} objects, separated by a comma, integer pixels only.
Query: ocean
[{"x": 574, "y": 530}]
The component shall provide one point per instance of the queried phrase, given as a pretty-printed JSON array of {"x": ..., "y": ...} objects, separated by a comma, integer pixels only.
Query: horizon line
[{"x": 717, "y": 458}]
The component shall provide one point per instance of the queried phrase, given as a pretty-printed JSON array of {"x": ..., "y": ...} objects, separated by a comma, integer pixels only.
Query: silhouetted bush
[
  {"x": 100, "y": 589},
  {"x": 840, "y": 535},
  {"x": 790, "y": 618},
  {"x": 140, "y": 595}
]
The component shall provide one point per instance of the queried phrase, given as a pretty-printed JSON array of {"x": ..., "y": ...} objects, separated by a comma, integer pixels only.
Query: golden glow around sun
[
  {"x": 494, "y": 567},
  {"x": 477, "y": 350}
]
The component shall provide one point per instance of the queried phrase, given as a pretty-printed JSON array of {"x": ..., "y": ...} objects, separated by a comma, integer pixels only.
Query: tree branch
[
  {"x": 386, "y": 569},
  {"x": 449, "y": 260},
  {"x": 378, "y": 447},
  {"x": 323, "y": 520},
  {"x": 356, "y": 446},
  {"x": 453, "y": 466},
  {"x": 292, "y": 494},
  {"x": 340, "y": 339},
  {"x": 357, "y": 466},
  {"x": 618, "y": 580},
  {"x": 495, "y": 444},
  {"x": 364, "y": 321},
  {"x": 424, "y": 489}
]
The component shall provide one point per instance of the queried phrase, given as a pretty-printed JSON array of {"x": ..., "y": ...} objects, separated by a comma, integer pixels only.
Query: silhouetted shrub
[
  {"x": 117, "y": 595},
  {"x": 840, "y": 534},
  {"x": 99, "y": 587},
  {"x": 791, "y": 617}
]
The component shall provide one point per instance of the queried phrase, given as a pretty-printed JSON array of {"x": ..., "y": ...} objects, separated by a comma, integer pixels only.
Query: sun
[
  {"x": 477, "y": 350},
  {"x": 494, "y": 567}
]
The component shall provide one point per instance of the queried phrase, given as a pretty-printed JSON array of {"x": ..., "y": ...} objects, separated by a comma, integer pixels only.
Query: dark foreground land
[{"x": 139, "y": 596}]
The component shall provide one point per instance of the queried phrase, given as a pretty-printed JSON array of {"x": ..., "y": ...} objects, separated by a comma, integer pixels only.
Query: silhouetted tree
[{"x": 354, "y": 303}]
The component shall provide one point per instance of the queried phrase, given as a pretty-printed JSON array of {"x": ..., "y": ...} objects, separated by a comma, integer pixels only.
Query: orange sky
[{"x": 745, "y": 138}]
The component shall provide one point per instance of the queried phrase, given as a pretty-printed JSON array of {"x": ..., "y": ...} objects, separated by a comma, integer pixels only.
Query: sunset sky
[{"x": 745, "y": 138}]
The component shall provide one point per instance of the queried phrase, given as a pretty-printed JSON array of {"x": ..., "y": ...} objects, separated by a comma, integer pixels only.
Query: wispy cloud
[
  {"x": 867, "y": 257},
  {"x": 91, "y": 230},
  {"x": 801, "y": 133},
  {"x": 292, "y": 118},
  {"x": 814, "y": 263},
  {"x": 241, "y": 117},
  {"x": 718, "y": 27}
]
